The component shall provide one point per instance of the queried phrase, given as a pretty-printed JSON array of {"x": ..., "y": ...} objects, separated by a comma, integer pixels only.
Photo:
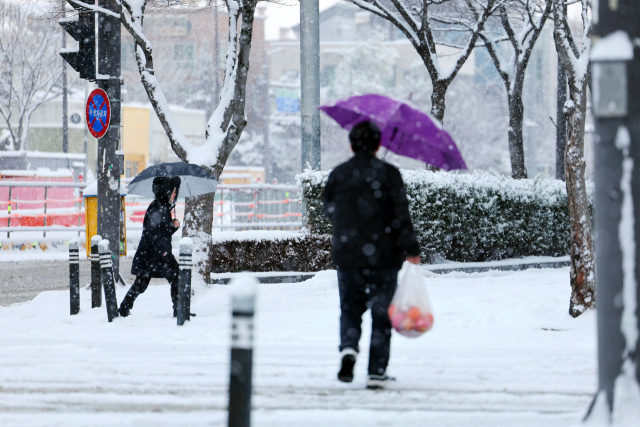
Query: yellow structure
[
  {"x": 234, "y": 175},
  {"x": 136, "y": 134},
  {"x": 91, "y": 218}
]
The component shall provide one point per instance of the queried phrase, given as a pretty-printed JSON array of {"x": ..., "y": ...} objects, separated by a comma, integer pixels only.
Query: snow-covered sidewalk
[{"x": 503, "y": 352}]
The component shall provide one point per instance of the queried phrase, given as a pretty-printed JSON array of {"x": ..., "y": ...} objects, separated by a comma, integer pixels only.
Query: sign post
[{"x": 109, "y": 82}]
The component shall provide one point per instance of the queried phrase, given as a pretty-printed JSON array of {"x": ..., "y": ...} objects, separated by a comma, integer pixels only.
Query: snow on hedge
[{"x": 471, "y": 217}]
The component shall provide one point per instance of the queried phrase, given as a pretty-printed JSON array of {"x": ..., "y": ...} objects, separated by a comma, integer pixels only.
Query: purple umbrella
[{"x": 405, "y": 130}]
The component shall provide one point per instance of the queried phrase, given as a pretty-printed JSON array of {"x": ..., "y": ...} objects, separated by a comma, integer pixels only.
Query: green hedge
[
  {"x": 471, "y": 217},
  {"x": 303, "y": 253}
]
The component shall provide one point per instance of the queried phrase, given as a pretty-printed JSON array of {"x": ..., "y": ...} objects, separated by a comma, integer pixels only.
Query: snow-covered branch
[
  {"x": 95, "y": 8},
  {"x": 225, "y": 125}
]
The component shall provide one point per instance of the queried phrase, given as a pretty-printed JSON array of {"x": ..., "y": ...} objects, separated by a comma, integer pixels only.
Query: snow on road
[{"x": 503, "y": 352}]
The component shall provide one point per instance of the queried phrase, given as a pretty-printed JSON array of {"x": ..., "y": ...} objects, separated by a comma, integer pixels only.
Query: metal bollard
[
  {"x": 106, "y": 278},
  {"x": 96, "y": 287},
  {"x": 184, "y": 280},
  {"x": 242, "y": 303},
  {"x": 74, "y": 278}
]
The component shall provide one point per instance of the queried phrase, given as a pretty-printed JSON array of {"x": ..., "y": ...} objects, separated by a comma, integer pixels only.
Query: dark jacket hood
[{"x": 163, "y": 187}]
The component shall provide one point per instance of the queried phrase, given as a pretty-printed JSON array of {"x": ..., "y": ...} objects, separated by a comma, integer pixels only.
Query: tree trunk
[
  {"x": 437, "y": 99},
  {"x": 582, "y": 271},
  {"x": 198, "y": 222},
  {"x": 516, "y": 144}
]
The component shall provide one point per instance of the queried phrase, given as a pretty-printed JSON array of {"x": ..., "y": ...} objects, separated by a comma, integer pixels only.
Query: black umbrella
[{"x": 194, "y": 180}]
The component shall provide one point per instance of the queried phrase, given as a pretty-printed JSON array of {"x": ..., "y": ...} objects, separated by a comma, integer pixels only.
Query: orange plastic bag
[{"x": 410, "y": 310}]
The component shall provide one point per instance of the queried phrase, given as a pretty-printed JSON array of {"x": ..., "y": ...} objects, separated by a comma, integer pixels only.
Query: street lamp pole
[
  {"x": 310, "y": 82},
  {"x": 616, "y": 107}
]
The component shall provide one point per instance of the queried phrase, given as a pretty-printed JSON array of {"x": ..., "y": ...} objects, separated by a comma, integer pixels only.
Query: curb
[
  {"x": 271, "y": 277},
  {"x": 476, "y": 268}
]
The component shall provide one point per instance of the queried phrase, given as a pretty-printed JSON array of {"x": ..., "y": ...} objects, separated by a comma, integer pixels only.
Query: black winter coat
[
  {"x": 157, "y": 230},
  {"x": 366, "y": 200}
]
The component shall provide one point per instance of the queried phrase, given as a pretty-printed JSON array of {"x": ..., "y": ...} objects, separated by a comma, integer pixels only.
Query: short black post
[
  {"x": 242, "y": 302},
  {"x": 74, "y": 278},
  {"x": 96, "y": 287},
  {"x": 106, "y": 278},
  {"x": 184, "y": 280}
]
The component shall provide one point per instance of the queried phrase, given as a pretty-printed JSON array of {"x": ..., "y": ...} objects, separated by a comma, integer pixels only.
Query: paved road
[{"x": 22, "y": 281}]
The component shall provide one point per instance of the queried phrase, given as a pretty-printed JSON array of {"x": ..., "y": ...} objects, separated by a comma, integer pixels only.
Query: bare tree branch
[
  {"x": 30, "y": 68},
  {"x": 415, "y": 20}
]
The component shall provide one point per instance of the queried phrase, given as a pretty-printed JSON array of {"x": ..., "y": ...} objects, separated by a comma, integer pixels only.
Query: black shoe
[
  {"x": 378, "y": 382},
  {"x": 348, "y": 362},
  {"x": 123, "y": 312}
]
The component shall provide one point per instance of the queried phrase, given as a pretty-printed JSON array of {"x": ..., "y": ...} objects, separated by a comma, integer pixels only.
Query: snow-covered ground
[{"x": 503, "y": 352}]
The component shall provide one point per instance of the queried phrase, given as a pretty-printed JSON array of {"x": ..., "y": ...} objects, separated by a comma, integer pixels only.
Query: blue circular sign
[{"x": 98, "y": 113}]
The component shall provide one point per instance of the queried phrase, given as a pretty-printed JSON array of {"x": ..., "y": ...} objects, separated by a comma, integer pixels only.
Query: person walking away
[
  {"x": 153, "y": 258},
  {"x": 365, "y": 199}
]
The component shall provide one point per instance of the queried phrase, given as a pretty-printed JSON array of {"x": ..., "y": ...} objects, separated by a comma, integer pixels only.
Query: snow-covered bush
[
  {"x": 470, "y": 217},
  {"x": 300, "y": 253}
]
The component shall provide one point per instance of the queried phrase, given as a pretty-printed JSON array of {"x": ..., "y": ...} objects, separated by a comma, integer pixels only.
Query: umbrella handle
[{"x": 387, "y": 149}]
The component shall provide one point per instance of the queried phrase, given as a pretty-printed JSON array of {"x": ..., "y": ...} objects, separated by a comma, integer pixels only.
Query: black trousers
[
  {"x": 363, "y": 289},
  {"x": 140, "y": 285}
]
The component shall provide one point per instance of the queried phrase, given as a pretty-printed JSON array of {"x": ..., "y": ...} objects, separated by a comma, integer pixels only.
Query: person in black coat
[
  {"x": 153, "y": 258},
  {"x": 366, "y": 201}
]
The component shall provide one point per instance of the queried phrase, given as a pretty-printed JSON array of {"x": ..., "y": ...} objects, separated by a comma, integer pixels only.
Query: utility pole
[
  {"x": 561, "y": 121},
  {"x": 616, "y": 107},
  {"x": 65, "y": 116},
  {"x": 310, "y": 82},
  {"x": 108, "y": 79}
]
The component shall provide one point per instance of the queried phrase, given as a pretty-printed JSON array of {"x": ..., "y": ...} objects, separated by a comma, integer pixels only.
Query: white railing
[
  {"x": 241, "y": 206},
  {"x": 76, "y": 200}
]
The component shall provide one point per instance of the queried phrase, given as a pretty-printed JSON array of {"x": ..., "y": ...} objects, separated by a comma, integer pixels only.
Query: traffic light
[{"x": 82, "y": 30}]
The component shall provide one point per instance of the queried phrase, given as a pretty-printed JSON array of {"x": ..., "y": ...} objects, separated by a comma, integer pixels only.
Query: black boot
[
  {"x": 138, "y": 287},
  {"x": 348, "y": 362}
]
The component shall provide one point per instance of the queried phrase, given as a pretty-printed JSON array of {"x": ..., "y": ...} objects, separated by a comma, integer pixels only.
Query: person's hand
[
  {"x": 176, "y": 223},
  {"x": 164, "y": 254},
  {"x": 414, "y": 259}
]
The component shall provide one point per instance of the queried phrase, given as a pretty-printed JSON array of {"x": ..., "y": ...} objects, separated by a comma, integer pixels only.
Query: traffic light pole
[
  {"x": 108, "y": 79},
  {"x": 616, "y": 107},
  {"x": 65, "y": 116}
]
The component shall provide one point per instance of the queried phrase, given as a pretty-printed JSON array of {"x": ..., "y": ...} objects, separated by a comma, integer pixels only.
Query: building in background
[
  {"x": 184, "y": 41},
  {"x": 143, "y": 139}
]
